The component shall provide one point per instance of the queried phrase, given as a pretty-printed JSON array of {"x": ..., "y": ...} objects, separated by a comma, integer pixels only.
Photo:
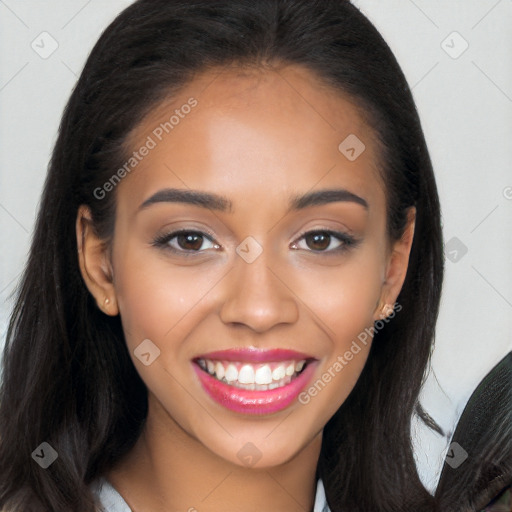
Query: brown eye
[
  {"x": 190, "y": 241},
  {"x": 185, "y": 242},
  {"x": 325, "y": 242},
  {"x": 318, "y": 241}
]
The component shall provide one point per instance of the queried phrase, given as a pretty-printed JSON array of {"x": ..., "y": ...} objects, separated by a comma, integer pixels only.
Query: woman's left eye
[{"x": 325, "y": 241}]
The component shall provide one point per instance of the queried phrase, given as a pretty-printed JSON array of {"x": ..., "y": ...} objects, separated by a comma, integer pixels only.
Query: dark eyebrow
[
  {"x": 223, "y": 204},
  {"x": 176, "y": 195},
  {"x": 319, "y": 197}
]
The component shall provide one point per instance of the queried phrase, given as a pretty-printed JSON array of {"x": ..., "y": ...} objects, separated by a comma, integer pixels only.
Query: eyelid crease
[{"x": 177, "y": 231}]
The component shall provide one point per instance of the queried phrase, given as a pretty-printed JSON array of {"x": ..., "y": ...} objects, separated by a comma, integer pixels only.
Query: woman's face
[{"x": 267, "y": 272}]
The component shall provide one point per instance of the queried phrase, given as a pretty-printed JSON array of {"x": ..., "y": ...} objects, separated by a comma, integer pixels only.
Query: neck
[{"x": 168, "y": 469}]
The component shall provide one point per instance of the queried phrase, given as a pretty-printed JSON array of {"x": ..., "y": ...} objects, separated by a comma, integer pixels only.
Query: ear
[
  {"x": 396, "y": 268},
  {"x": 95, "y": 265}
]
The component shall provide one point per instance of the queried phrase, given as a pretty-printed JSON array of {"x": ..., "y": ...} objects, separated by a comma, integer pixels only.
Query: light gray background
[{"x": 465, "y": 102}]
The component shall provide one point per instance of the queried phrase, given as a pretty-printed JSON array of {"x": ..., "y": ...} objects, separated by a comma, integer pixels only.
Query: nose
[{"x": 258, "y": 297}]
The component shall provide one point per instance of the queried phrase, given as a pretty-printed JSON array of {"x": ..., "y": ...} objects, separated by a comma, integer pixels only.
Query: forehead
[{"x": 258, "y": 128}]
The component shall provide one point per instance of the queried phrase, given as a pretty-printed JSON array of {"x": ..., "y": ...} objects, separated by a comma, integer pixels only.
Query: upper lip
[{"x": 255, "y": 355}]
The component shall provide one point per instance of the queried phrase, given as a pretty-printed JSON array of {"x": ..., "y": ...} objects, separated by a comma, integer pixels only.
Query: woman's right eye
[{"x": 185, "y": 242}]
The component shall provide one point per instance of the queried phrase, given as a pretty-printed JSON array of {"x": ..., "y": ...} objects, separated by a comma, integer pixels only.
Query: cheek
[
  {"x": 343, "y": 301},
  {"x": 343, "y": 297},
  {"x": 159, "y": 300},
  {"x": 164, "y": 303}
]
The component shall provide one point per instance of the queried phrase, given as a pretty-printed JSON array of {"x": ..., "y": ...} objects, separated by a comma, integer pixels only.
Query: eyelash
[{"x": 347, "y": 240}]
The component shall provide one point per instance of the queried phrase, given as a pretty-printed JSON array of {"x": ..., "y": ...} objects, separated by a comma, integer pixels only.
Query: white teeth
[
  {"x": 246, "y": 374},
  {"x": 258, "y": 376},
  {"x": 263, "y": 375},
  {"x": 279, "y": 373},
  {"x": 231, "y": 373},
  {"x": 219, "y": 370}
]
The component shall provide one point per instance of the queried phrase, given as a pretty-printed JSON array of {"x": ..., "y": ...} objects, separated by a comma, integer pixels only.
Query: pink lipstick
[{"x": 254, "y": 381}]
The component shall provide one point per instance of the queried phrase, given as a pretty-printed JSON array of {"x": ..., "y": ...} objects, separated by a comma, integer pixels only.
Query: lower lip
[{"x": 254, "y": 402}]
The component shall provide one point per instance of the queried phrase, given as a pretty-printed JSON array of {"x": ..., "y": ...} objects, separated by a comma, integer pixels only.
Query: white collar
[
  {"x": 320, "y": 499},
  {"x": 111, "y": 500}
]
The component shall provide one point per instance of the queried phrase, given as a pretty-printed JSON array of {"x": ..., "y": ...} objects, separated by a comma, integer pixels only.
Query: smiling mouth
[{"x": 253, "y": 376}]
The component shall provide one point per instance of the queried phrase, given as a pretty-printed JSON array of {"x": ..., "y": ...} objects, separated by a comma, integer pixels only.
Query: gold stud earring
[{"x": 386, "y": 309}]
